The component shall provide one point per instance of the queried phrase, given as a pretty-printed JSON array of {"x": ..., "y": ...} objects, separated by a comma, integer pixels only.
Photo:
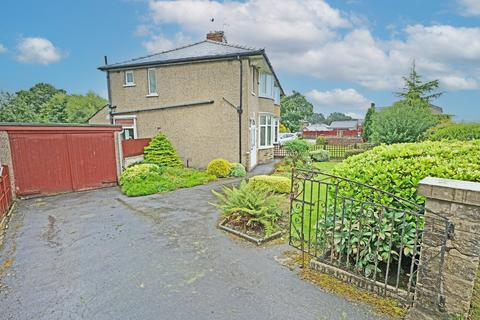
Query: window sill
[
  {"x": 152, "y": 95},
  {"x": 129, "y": 85},
  {"x": 265, "y": 147},
  {"x": 269, "y": 98}
]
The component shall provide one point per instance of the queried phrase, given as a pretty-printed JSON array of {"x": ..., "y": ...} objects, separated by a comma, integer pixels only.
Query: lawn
[{"x": 317, "y": 194}]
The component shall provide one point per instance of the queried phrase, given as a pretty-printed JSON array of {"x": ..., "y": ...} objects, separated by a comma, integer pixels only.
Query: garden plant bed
[{"x": 256, "y": 236}]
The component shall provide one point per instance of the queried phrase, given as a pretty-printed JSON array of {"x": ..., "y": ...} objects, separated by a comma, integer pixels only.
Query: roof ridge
[
  {"x": 231, "y": 45},
  {"x": 157, "y": 53}
]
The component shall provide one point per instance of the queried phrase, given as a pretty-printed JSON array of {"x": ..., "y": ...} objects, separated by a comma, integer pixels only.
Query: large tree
[
  {"x": 294, "y": 109},
  {"x": 43, "y": 103},
  {"x": 336, "y": 116},
  {"x": 316, "y": 118}
]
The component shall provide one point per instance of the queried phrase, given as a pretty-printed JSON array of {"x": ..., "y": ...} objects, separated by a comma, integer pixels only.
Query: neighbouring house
[
  {"x": 347, "y": 128},
  {"x": 337, "y": 129},
  {"x": 211, "y": 98}
]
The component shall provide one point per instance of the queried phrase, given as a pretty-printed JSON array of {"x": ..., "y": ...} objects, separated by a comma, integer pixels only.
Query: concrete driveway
[{"x": 101, "y": 255}]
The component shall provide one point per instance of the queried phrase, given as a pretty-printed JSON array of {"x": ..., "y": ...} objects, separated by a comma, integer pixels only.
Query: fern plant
[{"x": 250, "y": 208}]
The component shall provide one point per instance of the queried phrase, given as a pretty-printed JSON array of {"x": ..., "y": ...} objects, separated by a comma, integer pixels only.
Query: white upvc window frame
[
  {"x": 276, "y": 95},
  {"x": 268, "y": 130},
  {"x": 276, "y": 130},
  {"x": 265, "y": 87},
  {"x": 150, "y": 92},
  {"x": 134, "y": 126},
  {"x": 126, "y": 82}
]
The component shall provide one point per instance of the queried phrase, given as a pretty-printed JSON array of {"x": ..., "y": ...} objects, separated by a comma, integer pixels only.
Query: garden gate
[{"x": 362, "y": 235}]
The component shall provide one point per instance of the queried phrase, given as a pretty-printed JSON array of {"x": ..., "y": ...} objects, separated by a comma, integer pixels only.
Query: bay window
[{"x": 276, "y": 95}]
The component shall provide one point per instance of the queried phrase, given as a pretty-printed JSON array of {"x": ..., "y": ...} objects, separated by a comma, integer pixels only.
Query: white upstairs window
[
  {"x": 266, "y": 85},
  {"x": 129, "y": 79},
  {"x": 152, "y": 82}
]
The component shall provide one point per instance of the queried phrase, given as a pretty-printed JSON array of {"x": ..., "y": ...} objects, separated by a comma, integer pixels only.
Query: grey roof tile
[{"x": 199, "y": 50}]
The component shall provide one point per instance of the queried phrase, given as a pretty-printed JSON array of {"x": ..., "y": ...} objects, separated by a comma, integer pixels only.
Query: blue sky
[{"x": 341, "y": 54}]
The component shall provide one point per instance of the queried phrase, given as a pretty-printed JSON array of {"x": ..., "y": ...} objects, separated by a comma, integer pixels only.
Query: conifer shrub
[{"x": 161, "y": 151}]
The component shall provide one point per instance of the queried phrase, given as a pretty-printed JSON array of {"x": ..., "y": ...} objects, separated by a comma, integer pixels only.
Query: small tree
[
  {"x": 367, "y": 125},
  {"x": 161, "y": 151}
]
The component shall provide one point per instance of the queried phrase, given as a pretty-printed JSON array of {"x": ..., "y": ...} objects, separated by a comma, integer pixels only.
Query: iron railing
[{"x": 370, "y": 234}]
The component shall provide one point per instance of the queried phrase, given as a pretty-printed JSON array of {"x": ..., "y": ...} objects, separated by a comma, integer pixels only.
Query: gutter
[
  {"x": 240, "y": 111},
  {"x": 173, "y": 61},
  {"x": 192, "y": 104}
]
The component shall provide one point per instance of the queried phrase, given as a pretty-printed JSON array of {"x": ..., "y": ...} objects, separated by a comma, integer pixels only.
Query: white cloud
[
  {"x": 159, "y": 43},
  {"x": 2, "y": 48},
  {"x": 38, "y": 50},
  {"x": 262, "y": 23},
  {"x": 469, "y": 7},
  {"x": 325, "y": 43},
  {"x": 339, "y": 100}
]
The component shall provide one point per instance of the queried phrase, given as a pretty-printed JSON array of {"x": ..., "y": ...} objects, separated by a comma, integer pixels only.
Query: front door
[{"x": 253, "y": 144}]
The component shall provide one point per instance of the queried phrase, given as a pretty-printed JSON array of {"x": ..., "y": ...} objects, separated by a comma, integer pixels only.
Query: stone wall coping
[{"x": 465, "y": 192}]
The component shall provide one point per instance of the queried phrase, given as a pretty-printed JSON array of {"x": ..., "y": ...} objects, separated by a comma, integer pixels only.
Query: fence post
[{"x": 449, "y": 255}]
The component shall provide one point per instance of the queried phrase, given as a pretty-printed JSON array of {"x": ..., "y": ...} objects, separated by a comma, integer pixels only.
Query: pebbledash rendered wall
[{"x": 200, "y": 133}]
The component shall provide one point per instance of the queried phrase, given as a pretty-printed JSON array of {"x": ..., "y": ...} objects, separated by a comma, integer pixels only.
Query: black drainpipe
[
  {"x": 112, "y": 108},
  {"x": 240, "y": 111}
]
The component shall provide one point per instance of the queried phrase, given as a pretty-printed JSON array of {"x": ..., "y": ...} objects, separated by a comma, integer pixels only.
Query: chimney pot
[{"x": 218, "y": 36}]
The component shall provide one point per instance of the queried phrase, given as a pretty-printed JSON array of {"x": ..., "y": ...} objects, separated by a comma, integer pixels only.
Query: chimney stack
[{"x": 218, "y": 36}]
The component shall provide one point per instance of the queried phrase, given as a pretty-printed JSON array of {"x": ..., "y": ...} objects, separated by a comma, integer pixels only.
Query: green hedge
[
  {"x": 275, "y": 184},
  {"x": 147, "y": 178},
  {"x": 398, "y": 168},
  {"x": 320, "y": 155},
  {"x": 457, "y": 131}
]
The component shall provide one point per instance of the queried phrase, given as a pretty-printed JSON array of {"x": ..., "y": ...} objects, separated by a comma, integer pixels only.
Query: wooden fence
[
  {"x": 134, "y": 147},
  {"x": 336, "y": 151},
  {"x": 5, "y": 191}
]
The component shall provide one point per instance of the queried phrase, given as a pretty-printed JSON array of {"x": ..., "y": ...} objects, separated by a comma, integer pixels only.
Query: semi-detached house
[{"x": 212, "y": 99}]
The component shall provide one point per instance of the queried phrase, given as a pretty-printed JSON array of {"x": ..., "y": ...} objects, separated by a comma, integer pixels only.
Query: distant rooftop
[
  {"x": 346, "y": 124},
  {"x": 203, "y": 50}
]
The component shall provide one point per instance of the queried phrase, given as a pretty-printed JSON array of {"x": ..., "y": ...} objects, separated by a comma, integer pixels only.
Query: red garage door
[{"x": 49, "y": 160}]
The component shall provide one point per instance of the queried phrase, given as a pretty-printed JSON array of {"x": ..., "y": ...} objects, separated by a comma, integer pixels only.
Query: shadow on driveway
[{"x": 101, "y": 255}]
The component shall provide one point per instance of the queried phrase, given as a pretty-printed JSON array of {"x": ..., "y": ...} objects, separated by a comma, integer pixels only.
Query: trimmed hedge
[
  {"x": 237, "y": 170},
  {"x": 161, "y": 151},
  {"x": 456, "y": 131},
  {"x": 399, "y": 168},
  {"x": 353, "y": 152},
  {"x": 219, "y": 168},
  {"x": 276, "y": 184}
]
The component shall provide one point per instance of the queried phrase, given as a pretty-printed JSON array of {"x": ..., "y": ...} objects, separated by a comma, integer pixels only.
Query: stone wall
[
  {"x": 265, "y": 155},
  {"x": 452, "y": 222}
]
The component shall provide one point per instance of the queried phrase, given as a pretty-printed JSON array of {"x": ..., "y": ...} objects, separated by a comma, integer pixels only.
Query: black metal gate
[{"x": 361, "y": 234}]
